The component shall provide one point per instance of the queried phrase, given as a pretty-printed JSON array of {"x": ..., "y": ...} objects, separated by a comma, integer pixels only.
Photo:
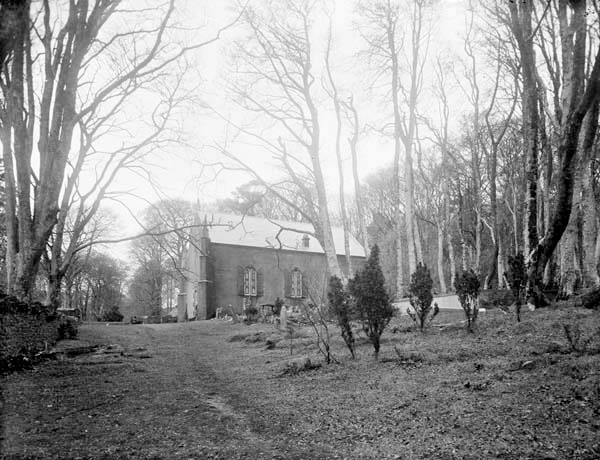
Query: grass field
[{"x": 213, "y": 390}]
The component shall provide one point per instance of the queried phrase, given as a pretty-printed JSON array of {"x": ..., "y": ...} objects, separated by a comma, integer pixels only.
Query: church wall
[{"x": 273, "y": 265}]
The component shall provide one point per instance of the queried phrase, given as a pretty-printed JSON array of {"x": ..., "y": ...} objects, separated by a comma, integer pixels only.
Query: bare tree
[
  {"x": 337, "y": 105},
  {"x": 441, "y": 136},
  {"x": 276, "y": 66},
  {"x": 578, "y": 93},
  {"x": 590, "y": 211},
  {"x": 385, "y": 38},
  {"x": 95, "y": 285},
  {"x": 577, "y": 243},
  {"x": 358, "y": 194},
  {"x": 68, "y": 70},
  {"x": 432, "y": 201},
  {"x": 498, "y": 116},
  {"x": 473, "y": 139},
  {"x": 522, "y": 29}
]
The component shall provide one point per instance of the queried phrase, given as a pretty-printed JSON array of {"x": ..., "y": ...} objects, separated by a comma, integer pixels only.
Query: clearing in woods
[{"x": 215, "y": 390}]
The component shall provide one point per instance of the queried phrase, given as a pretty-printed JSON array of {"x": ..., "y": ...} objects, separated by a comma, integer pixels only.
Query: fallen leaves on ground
[{"x": 216, "y": 390}]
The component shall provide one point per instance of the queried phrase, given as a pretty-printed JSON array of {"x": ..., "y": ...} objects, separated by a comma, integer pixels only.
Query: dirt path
[{"x": 165, "y": 393}]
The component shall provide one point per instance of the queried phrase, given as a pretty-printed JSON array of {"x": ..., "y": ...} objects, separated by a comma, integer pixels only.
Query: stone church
[{"x": 234, "y": 261}]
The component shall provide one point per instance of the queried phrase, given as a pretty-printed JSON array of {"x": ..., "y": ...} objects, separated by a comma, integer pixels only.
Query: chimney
[{"x": 305, "y": 241}]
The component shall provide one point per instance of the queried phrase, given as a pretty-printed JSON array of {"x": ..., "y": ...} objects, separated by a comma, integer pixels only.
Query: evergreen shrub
[
  {"x": 421, "y": 297},
  {"x": 467, "y": 287},
  {"x": 371, "y": 299},
  {"x": 341, "y": 307}
]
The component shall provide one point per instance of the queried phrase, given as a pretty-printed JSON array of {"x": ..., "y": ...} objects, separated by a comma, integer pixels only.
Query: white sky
[{"x": 177, "y": 173}]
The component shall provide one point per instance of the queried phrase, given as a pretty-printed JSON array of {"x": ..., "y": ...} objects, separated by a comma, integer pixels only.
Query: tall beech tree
[
  {"x": 352, "y": 114},
  {"x": 578, "y": 92},
  {"x": 441, "y": 137},
  {"x": 67, "y": 70},
  {"x": 400, "y": 55},
  {"x": 337, "y": 105},
  {"x": 590, "y": 211},
  {"x": 276, "y": 66}
]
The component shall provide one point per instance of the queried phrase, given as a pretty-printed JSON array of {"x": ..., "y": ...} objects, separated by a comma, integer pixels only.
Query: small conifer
[
  {"x": 467, "y": 287},
  {"x": 372, "y": 301},
  {"x": 421, "y": 297},
  {"x": 340, "y": 306}
]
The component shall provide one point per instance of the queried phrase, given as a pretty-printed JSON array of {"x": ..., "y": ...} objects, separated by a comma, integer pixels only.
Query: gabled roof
[{"x": 259, "y": 232}]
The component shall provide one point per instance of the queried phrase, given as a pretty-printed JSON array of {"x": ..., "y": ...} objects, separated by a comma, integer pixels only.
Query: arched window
[
  {"x": 250, "y": 282},
  {"x": 296, "y": 284}
]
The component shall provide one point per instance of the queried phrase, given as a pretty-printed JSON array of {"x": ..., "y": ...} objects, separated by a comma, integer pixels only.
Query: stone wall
[{"x": 25, "y": 329}]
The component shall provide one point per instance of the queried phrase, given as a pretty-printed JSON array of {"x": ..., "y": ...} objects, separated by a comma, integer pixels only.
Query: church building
[{"x": 236, "y": 261}]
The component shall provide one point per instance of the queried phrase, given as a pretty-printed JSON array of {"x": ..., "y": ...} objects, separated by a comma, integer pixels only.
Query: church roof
[{"x": 272, "y": 233}]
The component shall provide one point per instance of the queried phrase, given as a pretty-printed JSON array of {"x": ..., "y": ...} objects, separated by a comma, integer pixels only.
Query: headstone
[{"x": 283, "y": 318}]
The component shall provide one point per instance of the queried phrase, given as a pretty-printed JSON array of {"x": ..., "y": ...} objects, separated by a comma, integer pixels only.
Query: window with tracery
[{"x": 250, "y": 282}]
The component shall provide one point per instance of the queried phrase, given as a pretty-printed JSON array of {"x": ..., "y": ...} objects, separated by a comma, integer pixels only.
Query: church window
[
  {"x": 296, "y": 284},
  {"x": 250, "y": 282}
]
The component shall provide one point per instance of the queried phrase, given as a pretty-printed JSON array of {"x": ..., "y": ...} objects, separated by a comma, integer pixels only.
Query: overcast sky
[{"x": 177, "y": 172}]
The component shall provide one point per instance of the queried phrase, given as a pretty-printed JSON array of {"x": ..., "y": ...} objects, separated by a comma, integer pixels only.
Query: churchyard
[{"x": 215, "y": 389}]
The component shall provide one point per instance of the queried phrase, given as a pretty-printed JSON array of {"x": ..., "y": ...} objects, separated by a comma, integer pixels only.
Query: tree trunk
[
  {"x": 572, "y": 254},
  {"x": 11, "y": 211},
  {"x": 590, "y": 218},
  {"x": 325, "y": 237},
  {"x": 578, "y": 99},
  {"x": 597, "y": 250},
  {"x": 400, "y": 287},
  {"x": 440, "y": 257},
  {"x": 409, "y": 210},
  {"x": 591, "y": 235},
  {"x": 57, "y": 104},
  {"x": 451, "y": 260},
  {"x": 562, "y": 211},
  {"x": 86, "y": 302},
  {"x": 521, "y": 26},
  {"x": 447, "y": 220},
  {"x": 546, "y": 187},
  {"x": 360, "y": 209},
  {"x": 478, "y": 225},
  {"x": 24, "y": 249},
  {"x": 54, "y": 290},
  {"x": 570, "y": 268},
  {"x": 494, "y": 211},
  {"x": 338, "y": 154},
  {"x": 500, "y": 261},
  {"x": 461, "y": 229},
  {"x": 515, "y": 221},
  {"x": 322, "y": 201},
  {"x": 418, "y": 245}
]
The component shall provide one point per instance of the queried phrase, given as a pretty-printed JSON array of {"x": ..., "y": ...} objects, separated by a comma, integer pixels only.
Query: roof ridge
[
  {"x": 246, "y": 230},
  {"x": 248, "y": 216}
]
